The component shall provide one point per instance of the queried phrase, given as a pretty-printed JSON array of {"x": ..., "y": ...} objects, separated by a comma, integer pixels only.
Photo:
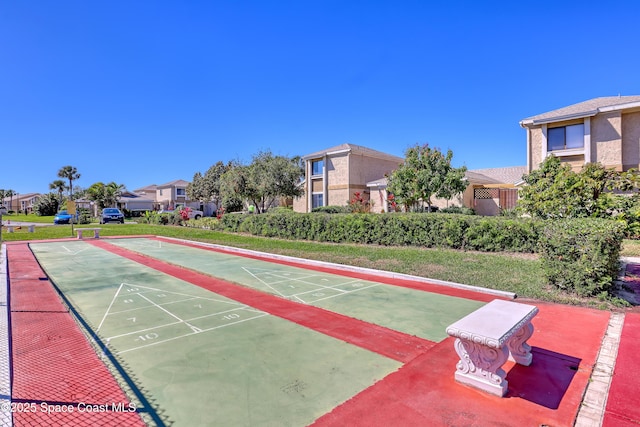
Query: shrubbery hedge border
[{"x": 578, "y": 255}]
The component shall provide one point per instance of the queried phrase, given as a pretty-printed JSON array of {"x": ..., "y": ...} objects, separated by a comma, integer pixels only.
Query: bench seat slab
[{"x": 486, "y": 338}]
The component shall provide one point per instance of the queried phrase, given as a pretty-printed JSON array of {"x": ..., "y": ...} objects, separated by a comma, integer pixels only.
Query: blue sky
[{"x": 145, "y": 92}]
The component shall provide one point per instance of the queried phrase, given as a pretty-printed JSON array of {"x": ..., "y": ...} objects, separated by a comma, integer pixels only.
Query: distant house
[
  {"x": 604, "y": 130},
  {"x": 490, "y": 191},
  {"x": 334, "y": 175},
  {"x": 172, "y": 194},
  {"x": 135, "y": 202},
  {"x": 21, "y": 202}
]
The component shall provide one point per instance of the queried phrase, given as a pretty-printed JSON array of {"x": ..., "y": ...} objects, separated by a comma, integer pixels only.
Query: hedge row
[
  {"x": 579, "y": 255},
  {"x": 411, "y": 229}
]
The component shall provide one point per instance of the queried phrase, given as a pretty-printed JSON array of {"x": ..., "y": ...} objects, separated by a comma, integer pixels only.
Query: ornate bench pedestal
[{"x": 486, "y": 338}]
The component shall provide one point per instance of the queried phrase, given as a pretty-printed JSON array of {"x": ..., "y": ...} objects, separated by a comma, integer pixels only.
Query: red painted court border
[
  {"x": 53, "y": 365},
  {"x": 384, "y": 341},
  {"x": 622, "y": 404},
  {"x": 548, "y": 393},
  {"x": 401, "y": 282}
]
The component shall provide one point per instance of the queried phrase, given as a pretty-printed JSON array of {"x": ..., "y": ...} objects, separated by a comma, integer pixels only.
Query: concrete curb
[
  {"x": 594, "y": 402},
  {"x": 5, "y": 369}
]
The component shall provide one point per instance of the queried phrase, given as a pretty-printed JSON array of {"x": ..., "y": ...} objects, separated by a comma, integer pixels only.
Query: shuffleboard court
[
  {"x": 202, "y": 358},
  {"x": 414, "y": 312}
]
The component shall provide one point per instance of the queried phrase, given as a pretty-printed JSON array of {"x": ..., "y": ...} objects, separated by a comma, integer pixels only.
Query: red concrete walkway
[
  {"x": 57, "y": 377},
  {"x": 548, "y": 392},
  {"x": 622, "y": 403}
]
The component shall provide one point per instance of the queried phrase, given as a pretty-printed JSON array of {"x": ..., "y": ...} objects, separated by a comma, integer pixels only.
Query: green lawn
[{"x": 518, "y": 273}]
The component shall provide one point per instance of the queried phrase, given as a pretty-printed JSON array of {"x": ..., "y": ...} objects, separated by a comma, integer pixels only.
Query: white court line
[
  {"x": 347, "y": 292},
  {"x": 265, "y": 283},
  {"x": 74, "y": 252},
  {"x": 193, "y": 328},
  {"x": 182, "y": 321},
  {"x": 193, "y": 333},
  {"x": 334, "y": 289},
  {"x": 177, "y": 293},
  {"x": 110, "y": 305},
  {"x": 147, "y": 306},
  {"x": 288, "y": 279}
]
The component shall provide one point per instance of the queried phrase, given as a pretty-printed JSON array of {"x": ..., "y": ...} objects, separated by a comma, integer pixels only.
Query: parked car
[
  {"x": 193, "y": 213},
  {"x": 111, "y": 215},
  {"x": 63, "y": 217}
]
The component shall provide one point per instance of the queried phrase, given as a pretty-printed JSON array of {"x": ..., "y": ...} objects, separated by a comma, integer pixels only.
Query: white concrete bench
[
  {"x": 486, "y": 338},
  {"x": 96, "y": 232},
  {"x": 11, "y": 228}
]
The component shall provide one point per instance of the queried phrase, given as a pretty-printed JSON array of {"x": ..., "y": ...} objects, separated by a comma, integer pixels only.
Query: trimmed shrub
[
  {"x": 463, "y": 210},
  {"x": 332, "y": 209},
  {"x": 581, "y": 255},
  {"x": 495, "y": 234}
]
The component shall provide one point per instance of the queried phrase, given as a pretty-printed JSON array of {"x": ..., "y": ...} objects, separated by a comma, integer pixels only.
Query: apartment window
[
  {"x": 565, "y": 137},
  {"x": 317, "y": 200},
  {"x": 316, "y": 167},
  {"x": 180, "y": 191}
]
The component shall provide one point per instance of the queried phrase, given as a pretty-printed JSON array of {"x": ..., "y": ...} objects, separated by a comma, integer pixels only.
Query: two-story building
[
  {"x": 334, "y": 175},
  {"x": 170, "y": 195},
  {"x": 604, "y": 130}
]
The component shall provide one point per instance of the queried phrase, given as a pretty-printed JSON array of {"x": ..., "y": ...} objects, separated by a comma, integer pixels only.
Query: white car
[{"x": 193, "y": 213}]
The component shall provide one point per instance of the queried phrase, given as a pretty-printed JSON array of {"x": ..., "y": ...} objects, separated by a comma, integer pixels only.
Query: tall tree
[
  {"x": 59, "y": 186},
  {"x": 271, "y": 177},
  {"x": 267, "y": 178},
  {"x": 234, "y": 188},
  {"x": 70, "y": 173},
  {"x": 426, "y": 173},
  {"x": 10, "y": 194},
  {"x": 207, "y": 188},
  {"x": 105, "y": 195}
]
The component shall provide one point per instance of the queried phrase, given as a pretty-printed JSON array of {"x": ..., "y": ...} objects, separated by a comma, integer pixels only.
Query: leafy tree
[
  {"x": 207, "y": 188},
  {"x": 105, "y": 195},
  {"x": 425, "y": 173},
  {"x": 261, "y": 183},
  {"x": 59, "y": 186},
  {"x": 9, "y": 194},
  {"x": 271, "y": 177},
  {"x": 70, "y": 173},
  {"x": 46, "y": 205},
  {"x": 233, "y": 187},
  {"x": 556, "y": 191}
]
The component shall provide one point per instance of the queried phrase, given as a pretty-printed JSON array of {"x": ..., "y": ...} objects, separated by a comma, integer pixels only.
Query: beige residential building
[
  {"x": 334, "y": 175},
  {"x": 22, "y": 203},
  {"x": 604, "y": 130}
]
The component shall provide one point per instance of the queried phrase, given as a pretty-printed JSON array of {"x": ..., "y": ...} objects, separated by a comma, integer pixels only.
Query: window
[
  {"x": 180, "y": 191},
  {"x": 316, "y": 167},
  {"x": 565, "y": 137},
  {"x": 316, "y": 200}
]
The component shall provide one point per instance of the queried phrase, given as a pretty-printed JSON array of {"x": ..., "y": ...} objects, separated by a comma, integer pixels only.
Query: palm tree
[
  {"x": 112, "y": 193},
  {"x": 70, "y": 173},
  {"x": 10, "y": 194},
  {"x": 59, "y": 186}
]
